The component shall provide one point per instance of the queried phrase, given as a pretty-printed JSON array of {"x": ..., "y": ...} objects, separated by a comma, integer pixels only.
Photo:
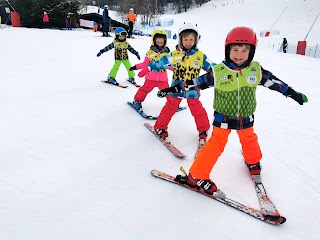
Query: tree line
[
  {"x": 31, "y": 11},
  {"x": 145, "y": 7}
]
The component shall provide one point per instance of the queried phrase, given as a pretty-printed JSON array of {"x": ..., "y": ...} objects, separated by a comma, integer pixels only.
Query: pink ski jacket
[{"x": 153, "y": 54}]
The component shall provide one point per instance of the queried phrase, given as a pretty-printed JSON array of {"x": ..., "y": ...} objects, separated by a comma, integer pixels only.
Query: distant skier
[
  {"x": 131, "y": 18},
  {"x": 69, "y": 22},
  {"x": 106, "y": 22},
  {"x": 284, "y": 45},
  {"x": 45, "y": 20}
]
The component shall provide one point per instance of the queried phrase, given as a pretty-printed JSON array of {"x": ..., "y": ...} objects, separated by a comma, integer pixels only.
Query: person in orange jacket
[{"x": 131, "y": 18}]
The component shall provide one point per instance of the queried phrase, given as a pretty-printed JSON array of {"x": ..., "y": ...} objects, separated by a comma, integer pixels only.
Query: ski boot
[
  {"x": 112, "y": 80},
  {"x": 162, "y": 133},
  {"x": 205, "y": 185},
  {"x": 255, "y": 169},
  {"x": 203, "y": 137},
  {"x": 137, "y": 105},
  {"x": 131, "y": 80}
]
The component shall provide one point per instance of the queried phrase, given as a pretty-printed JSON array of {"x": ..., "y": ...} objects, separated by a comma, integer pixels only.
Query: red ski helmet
[{"x": 241, "y": 35}]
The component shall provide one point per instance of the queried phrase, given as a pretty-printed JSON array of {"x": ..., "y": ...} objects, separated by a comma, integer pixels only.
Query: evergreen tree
[{"x": 31, "y": 11}]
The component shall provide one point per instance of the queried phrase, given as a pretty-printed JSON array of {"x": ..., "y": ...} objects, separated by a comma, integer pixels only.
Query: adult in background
[
  {"x": 284, "y": 45},
  {"x": 106, "y": 22},
  {"x": 131, "y": 18},
  {"x": 9, "y": 19},
  {"x": 45, "y": 20},
  {"x": 69, "y": 22}
]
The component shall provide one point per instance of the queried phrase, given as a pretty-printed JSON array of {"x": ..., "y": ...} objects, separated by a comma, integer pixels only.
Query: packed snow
[{"x": 76, "y": 160}]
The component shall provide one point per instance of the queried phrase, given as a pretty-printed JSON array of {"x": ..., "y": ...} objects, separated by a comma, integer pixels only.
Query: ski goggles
[{"x": 122, "y": 33}]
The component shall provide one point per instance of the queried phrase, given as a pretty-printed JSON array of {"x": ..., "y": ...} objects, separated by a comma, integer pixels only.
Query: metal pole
[
  {"x": 312, "y": 26},
  {"x": 278, "y": 18},
  {"x": 10, "y": 5}
]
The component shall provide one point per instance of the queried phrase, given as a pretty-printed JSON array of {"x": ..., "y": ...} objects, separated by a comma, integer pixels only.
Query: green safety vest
[{"x": 235, "y": 91}]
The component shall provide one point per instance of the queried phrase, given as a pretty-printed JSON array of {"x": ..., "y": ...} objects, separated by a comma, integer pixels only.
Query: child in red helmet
[{"x": 235, "y": 81}]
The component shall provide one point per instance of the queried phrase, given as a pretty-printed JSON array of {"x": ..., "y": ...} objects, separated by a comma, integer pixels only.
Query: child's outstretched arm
[
  {"x": 156, "y": 66},
  {"x": 133, "y": 51},
  {"x": 272, "y": 82},
  {"x": 162, "y": 63},
  {"x": 202, "y": 82},
  {"x": 143, "y": 66},
  {"x": 107, "y": 48}
]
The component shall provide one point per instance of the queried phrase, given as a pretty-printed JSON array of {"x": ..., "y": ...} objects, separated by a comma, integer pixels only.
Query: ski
[
  {"x": 134, "y": 84},
  {"x": 267, "y": 206},
  {"x": 142, "y": 113},
  {"x": 167, "y": 143},
  {"x": 223, "y": 199},
  {"x": 181, "y": 108},
  {"x": 119, "y": 85}
]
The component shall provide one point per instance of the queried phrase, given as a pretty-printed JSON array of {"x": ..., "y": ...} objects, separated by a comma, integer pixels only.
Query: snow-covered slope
[{"x": 76, "y": 160}]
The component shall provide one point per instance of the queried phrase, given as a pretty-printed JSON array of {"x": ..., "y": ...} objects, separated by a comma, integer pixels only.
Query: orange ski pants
[{"x": 208, "y": 156}]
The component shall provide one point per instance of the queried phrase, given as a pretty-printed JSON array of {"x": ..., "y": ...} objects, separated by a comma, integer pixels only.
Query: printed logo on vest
[
  {"x": 196, "y": 64},
  {"x": 228, "y": 77},
  {"x": 251, "y": 79}
]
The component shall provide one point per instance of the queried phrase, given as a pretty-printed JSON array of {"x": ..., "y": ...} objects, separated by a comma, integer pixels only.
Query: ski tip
[
  {"x": 154, "y": 171},
  {"x": 282, "y": 220},
  {"x": 276, "y": 220},
  {"x": 152, "y": 118}
]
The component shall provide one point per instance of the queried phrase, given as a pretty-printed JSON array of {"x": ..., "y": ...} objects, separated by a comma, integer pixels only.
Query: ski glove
[
  {"x": 145, "y": 70},
  {"x": 167, "y": 91},
  {"x": 99, "y": 53},
  {"x": 298, "y": 97},
  {"x": 133, "y": 68},
  {"x": 138, "y": 56}
]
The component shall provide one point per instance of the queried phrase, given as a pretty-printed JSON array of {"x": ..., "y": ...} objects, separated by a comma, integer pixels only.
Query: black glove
[
  {"x": 99, "y": 53},
  {"x": 202, "y": 82},
  {"x": 298, "y": 97},
  {"x": 133, "y": 68},
  {"x": 167, "y": 91}
]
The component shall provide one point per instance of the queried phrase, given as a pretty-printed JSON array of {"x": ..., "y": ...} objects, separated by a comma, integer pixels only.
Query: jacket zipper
[{"x": 238, "y": 95}]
